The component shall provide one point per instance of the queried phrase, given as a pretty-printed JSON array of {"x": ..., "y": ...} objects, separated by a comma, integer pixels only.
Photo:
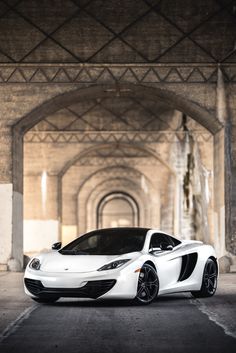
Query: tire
[
  {"x": 148, "y": 285},
  {"x": 209, "y": 281},
  {"x": 46, "y": 300}
]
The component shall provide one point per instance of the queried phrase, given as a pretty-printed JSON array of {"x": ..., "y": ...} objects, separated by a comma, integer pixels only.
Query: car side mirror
[
  {"x": 56, "y": 246},
  {"x": 166, "y": 246}
]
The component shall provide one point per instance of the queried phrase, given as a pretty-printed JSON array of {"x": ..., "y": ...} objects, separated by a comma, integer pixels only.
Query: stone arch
[
  {"x": 111, "y": 197},
  {"x": 173, "y": 100},
  {"x": 122, "y": 184},
  {"x": 107, "y": 170},
  {"x": 84, "y": 195}
]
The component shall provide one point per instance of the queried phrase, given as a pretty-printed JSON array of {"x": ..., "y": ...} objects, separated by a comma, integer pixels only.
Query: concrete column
[
  {"x": 230, "y": 177},
  {"x": 68, "y": 199},
  {"x": 219, "y": 167},
  {"x": 6, "y": 194},
  {"x": 219, "y": 193},
  {"x": 11, "y": 235},
  {"x": 41, "y": 224},
  {"x": 231, "y": 239}
]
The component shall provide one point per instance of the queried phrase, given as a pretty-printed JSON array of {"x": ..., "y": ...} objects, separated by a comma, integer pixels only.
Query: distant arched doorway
[{"x": 117, "y": 210}]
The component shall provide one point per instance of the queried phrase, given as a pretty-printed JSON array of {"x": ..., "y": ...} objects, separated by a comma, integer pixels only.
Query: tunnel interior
[
  {"x": 113, "y": 161},
  {"x": 101, "y": 99}
]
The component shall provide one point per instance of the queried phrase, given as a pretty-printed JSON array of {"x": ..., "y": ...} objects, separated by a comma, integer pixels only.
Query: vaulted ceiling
[
  {"x": 117, "y": 31},
  {"x": 116, "y": 114}
]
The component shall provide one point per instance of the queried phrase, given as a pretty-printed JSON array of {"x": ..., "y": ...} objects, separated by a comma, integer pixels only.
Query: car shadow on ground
[{"x": 78, "y": 302}]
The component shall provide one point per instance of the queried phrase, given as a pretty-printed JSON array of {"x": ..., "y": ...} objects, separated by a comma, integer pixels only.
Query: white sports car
[{"x": 124, "y": 263}]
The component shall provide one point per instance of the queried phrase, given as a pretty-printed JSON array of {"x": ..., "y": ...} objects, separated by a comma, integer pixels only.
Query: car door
[{"x": 167, "y": 264}]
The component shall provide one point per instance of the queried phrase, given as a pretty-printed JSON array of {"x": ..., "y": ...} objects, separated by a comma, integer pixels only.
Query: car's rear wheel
[
  {"x": 209, "y": 280},
  {"x": 46, "y": 300},
  {"x": 148, "y": 285}
]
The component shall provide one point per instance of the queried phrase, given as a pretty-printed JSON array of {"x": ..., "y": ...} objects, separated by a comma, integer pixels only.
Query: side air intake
[{"x": 188, "y": 264}]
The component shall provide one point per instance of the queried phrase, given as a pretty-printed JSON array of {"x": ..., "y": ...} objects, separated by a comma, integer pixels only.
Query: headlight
[
  {"x": 113, "y": 265},
  {"x": 35, "y": 264}
]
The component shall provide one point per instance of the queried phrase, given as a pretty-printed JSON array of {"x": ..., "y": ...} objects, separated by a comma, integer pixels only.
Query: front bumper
[
  {"x": 92, "y": 289},
  {"x": 113, "y": 284}
]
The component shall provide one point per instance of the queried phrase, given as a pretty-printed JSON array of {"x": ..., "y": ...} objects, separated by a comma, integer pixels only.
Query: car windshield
[{"x": 107, "y": 242}]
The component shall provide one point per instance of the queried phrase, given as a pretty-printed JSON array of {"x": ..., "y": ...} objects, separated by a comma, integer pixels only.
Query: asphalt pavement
[{"x": 173, "y": 323}]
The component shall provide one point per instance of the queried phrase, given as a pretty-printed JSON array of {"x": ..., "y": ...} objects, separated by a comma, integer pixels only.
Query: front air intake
[{"x": 92, "y": 289}]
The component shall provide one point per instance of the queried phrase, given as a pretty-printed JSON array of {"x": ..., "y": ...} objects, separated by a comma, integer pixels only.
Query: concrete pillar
[
  {"x": 16, "y": 262},
  {"x": 68, "y": 200},
  {"x": 221, "y": 101},
  {"x": 6, "y": 195},
  {"x": 41, "y": 224},
  {"x": 231, "y": 239},
  {"x": 219, "y": 193},
  {"x": 11, "y": 235},
  {"x": 230, "y": 176},
  {"x": 219, "y": 167}
]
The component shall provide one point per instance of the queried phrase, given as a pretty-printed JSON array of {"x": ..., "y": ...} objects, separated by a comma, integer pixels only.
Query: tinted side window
[
  {"x": 159, "y": 238},
  {"x": 174, "y": 241}
]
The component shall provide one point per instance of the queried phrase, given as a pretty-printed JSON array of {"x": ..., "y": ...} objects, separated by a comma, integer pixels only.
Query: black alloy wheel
[
  {"x": 148, "y": 285},
  {"x": 209, "y": 280}
]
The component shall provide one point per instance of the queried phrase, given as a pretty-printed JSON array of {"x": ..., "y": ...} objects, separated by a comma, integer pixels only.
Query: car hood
[{"x": 56, "y": 262}]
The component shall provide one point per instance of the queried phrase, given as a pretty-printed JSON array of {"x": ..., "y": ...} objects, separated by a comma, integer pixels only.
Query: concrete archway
[
  {"x": 68, "y": 181},
  {"x": 121, "y": 183},
  {"x": 173, "y": 100},
  {"x": 110, "y": 213}
]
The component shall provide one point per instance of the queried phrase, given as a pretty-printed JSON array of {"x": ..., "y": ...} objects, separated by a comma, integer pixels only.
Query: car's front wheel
[
  {"x": 46, "y": 300},
  {"x": 209, "y": 280},
  {"x": 148, "y": 285}
]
